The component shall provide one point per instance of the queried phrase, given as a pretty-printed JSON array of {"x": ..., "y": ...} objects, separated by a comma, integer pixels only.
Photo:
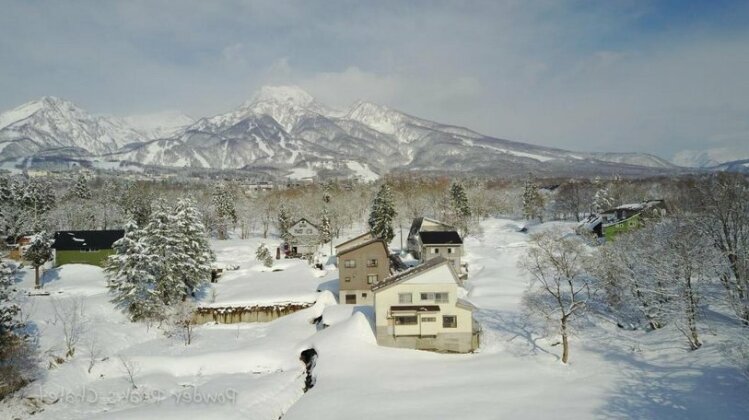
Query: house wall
[
  {"x": 624, "y": 226},
  {"x": 425, "y": 335},
  {"x": 454, "y": 256},
  {"x": 305, "y": 237},
  {"x": 354, "y": 280},
  {"x": 78, "y": 257}
]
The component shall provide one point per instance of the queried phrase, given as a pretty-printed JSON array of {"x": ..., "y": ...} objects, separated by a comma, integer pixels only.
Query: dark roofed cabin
[{"x": 85, "y": 246}]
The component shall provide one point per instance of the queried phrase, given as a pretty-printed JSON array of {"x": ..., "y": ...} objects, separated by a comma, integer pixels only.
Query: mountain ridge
[{"x": 286, "y": 128}]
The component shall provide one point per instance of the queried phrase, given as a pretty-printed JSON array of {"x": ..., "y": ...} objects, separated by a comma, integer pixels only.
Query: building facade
[
  {"x": 420, "y": 309},
  {"x": 360, "y": 266},
  {"x": 304, "y": 238}
]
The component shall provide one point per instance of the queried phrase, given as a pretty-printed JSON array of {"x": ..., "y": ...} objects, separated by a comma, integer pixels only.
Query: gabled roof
[
  {"x": 419, "y": 221},
  {"x": 355, "y": 238},
  {"x": 308, "y": 222},
  {"x": 76, "y": 240},
  {"x": 422, "y": 268},
  {"x": 362, "y": 245},
  {"x": 440, "y": 237}
]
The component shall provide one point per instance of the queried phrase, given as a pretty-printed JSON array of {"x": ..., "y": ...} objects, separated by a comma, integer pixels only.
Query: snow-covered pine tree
[
  {"x": 533, "y": 201},
  {"x": 602, "y": 198},
  {"x": 9, "y": 325},
  {"x": 263, "y": 255},
  {"x": 223, "y": 202},
  {"x": 193, "y": 254},
  {"x": 132, "y": 272},
  {"x": 80, "y": 189},
  {"x": 326, "y": 233},
  {"x": 38, "y": 253},
  {"x": 161, "y": 240},
  {"x": 284, "y": 222},
  {"x": 460, "y": 209},
  {"x": 382, "y": 214}
]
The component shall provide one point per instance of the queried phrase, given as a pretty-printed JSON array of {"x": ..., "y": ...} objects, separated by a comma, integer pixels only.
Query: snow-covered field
[{"x": 253, "y": 370}]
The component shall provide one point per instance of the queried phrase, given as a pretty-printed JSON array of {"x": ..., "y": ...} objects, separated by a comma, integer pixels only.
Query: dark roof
[
  {"x": 417, "y": 308},
  {"x": 76, "y": 240},
  {"x": 434, "y": 262},
  {"x": 433, "y": 238}
]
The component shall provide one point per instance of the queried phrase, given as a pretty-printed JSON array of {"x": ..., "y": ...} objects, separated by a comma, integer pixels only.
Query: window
[
  {"x": 363, "y": 295},
  {"x": 406, "y": 320},
  {"x": 371, "y": 278},
  {"x": 347, "y": 279},
  {"x": 372, "y": 262},
  {"x": 449, "y": 250},
  {"x": 441, "y": 297},
  {"x": 350, "y": 299},
  {"x": 405, "y": 298},
  {"x": 435, "y": 250},
  {"x": 349, "y": 263},
  {"x": 449, "y": 321},
  {"x": 309, "y": 231},
  {"x": 299, "y": 231},
  {"x": 428, "y": 319}
]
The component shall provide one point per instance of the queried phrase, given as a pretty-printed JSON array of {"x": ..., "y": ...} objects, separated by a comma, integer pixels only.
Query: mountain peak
[{"x": 292, "y": 95}]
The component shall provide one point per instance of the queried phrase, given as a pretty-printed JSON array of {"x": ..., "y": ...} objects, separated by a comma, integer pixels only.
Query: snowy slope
[{"x": 712, "y": 157}]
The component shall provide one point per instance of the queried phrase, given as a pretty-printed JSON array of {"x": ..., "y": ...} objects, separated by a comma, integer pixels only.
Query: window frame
[
  {"x": 402, "y": 295},
  {"x": 453, "y": 324}
]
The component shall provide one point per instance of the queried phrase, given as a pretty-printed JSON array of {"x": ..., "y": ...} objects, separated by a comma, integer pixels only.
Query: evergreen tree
[
  {"x": 602, "y": 199},
  {"x": 9, "y": 325},
  {"x": 326, "y": 233},
  {"x": 223, "y": 202},
  {"x": 80, "y": 189},
  {"x": 382, "y": 214},
  {"x": 38, "y": 253},
  {"x": 459, "y": 200},
  {"x": 161, "y": 241},
  {"x": 132, "y": 274},
  {"x": 460, "y": 209},
  {"x": 533, "y": 201},
  {"x": 284, "y": 222},
  {"x": 263, "y": 255},
  {"x": 193, "y": 253}
]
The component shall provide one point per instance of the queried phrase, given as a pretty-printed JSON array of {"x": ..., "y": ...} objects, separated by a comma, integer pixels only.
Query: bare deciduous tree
[
  {"x": 71, "y": 316},
  {"x": 560, "y": 289}
]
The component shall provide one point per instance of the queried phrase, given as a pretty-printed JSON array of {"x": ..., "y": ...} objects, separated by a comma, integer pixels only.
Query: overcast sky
[{"x": 645, "y": 76}]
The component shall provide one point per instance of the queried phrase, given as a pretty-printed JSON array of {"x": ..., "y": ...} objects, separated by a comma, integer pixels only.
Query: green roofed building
[{"x": 84, "y": 246}]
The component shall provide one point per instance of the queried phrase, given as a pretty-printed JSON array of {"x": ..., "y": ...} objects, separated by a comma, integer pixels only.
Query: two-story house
[
  {"x": 361, "y": 264},
  {"x": 429, "y": 238},
  {"x": 419, "y": 308},
  {"x": 304, "y": 238}
]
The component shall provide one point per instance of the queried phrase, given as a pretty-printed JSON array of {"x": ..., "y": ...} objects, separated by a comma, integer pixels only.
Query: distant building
[
  {"x": 624, "y": 218},
  {"x": 361, "y": 264},
  {"x": 84, "y": 246},
  {"x": 304, "y": 238},
  {"x": 420, "y": 309},
  {"x": 429, "y": 238}
]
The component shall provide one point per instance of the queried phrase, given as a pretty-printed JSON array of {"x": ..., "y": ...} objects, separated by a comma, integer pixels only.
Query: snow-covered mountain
[
  {"x": 51, "y": 123},
  {"x": 712, "y": 157},
  {"x": 159, "y": 125},
  {"x": 285, "y": 129}
]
